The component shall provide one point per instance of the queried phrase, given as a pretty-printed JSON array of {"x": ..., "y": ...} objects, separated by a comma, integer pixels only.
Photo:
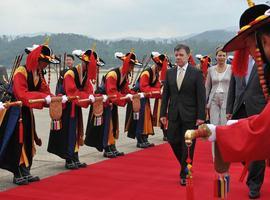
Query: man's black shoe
[
  {"x": 183, "y": 182},
  {"x": 71, "y": 165},
  {"x": 81, "y": 165},
  {"x": 142, "y": 145},
  {"x": 254, "y": 194},
  {"x": 20, "y": 180},
  {"x": 109, "y": 154},
  {"x": 31, "y": 178},
  {"x": 149, "y": 144},
  {"x": 115, "y": 151},
  {"x": 25, "y": 171}
]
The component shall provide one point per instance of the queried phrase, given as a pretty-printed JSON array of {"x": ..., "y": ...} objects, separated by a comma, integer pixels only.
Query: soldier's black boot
[
  {"x": 108, "y": 153},
  {"x": 145, "y": 139},
  {"x": 140, "y": 142},
  {"x": 77, "y": 161},
  {"x": 26, "y": 174},
  {"x": 70, "y": 164},
  {"x": 115, "y": 151},
  {"x": 19, "y": 179}
]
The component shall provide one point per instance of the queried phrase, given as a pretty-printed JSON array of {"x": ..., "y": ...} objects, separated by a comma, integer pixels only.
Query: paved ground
[{"x": 46, "y": 164}]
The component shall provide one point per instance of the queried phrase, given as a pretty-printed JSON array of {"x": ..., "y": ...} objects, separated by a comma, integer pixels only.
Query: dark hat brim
[
  {"x": 80, "y": 57},
  {"x": 237, "y": 42},
  {"x": 136, "y": 62},
  {"x": 50, "y": 61},
  {"x": 100, "y": 62}
]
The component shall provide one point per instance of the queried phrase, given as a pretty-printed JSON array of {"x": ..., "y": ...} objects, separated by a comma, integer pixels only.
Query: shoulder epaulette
[
  {"x": 145, "y": 73},
  {"x": 22, "y": 70},
  {"x": 69, "y": 72},
  {"x": 112, "y": 74}
]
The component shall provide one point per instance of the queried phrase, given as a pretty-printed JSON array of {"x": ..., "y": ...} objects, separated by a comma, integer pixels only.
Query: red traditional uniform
[
  {"x": 115, "y": 84},
  {"x": 246, "y": 140},
  {"x": 18, "y": 146},
  {"x": 77, "y": 82}
]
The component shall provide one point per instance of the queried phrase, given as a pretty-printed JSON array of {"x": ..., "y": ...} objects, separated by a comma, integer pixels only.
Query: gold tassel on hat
[
  {"x": 47, "y": 41},
  {"x": 250, "y": 3},
  {"x": 94, "y": 46}
]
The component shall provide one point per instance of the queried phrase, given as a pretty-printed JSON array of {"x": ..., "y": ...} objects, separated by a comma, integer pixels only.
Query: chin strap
[
  {"x": 261, "y": 60},
  {"x": 259, "y": 44}
]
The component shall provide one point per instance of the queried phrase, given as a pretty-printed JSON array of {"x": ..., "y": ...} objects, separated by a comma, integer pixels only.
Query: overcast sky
[{"x": 119, "y": 18}]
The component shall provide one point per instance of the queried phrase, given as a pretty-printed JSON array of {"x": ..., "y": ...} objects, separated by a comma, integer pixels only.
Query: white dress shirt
[{"x": 251, "y": 63}]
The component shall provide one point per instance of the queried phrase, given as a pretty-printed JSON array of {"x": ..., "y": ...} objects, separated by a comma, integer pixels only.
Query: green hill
[{"x": 203, "y": 43}]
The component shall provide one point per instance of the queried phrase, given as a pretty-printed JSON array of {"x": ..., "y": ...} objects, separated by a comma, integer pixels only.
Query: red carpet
[{"x": 144, "y": 175}]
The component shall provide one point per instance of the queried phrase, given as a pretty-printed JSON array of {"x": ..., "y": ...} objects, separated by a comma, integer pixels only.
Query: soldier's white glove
[
  {"x": 2, "y": 107},
  {"x": 105, "y": 97},
  {"x": 141, "y": 95},
  {"x": 64, "y": 99},
  {"x": 232, "y": 121},
  {"x": 48, "y": 99},
  {"x": 130, "y": 96},
  {"x": 212, "y": 128},
  {"x": 92, "y": 98}
]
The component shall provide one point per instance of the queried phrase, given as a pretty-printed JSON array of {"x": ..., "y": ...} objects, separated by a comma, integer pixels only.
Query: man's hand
[
  {"x": 48, "y": 99},
  {"x": 207, "y": 114},
  {"x": 38, "y": 141},
  {"x": 163, "y": 120},
  {"x": 229, "y": 116},
  {"x": 130, "y": 96},
  {"x": 212, "y": 137},
  {"x": 92, "y": 98},
  {"x": 105, "y": 98},
  {"x": 230, "y": 122},
  {"x": 2, "y": 107},
  {"x": 199, "y": 122},
  {"x": 64, "y": 99},
  {"x": 141, "y": 95}
]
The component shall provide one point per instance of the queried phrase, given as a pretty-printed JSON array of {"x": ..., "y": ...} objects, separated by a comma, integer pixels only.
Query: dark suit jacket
[
  {"x": 250, "y": 94},
  {"x": 187, "y": 104}
]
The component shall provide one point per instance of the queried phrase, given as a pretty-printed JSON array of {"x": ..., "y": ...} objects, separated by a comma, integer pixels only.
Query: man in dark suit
[
  {"x": 245, "y": 98},
  {"x": 184, "y": 99}
]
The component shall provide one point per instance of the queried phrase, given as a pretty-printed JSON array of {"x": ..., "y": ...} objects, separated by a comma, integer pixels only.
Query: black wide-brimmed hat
[
  {"x": 252, "y": 19},
  {"x": 158, "y": 58},
  {"x": 85, "y": 56},
  {"x": 131, "y": 56},
  {"x": 162, "y": 61},
  {"x": 45, "y": 55},
  {"x": 38, "y": 53},
  {"x": 128, "y": 59}
]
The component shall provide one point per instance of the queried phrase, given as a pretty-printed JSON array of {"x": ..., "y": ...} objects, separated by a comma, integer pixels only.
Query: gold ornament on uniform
[
  {"x": 56, "y": 113},
  {"x": 136, "y": 105},
  {"x": 98, "y": 111},
  {"x": 250, "y": 3}
]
